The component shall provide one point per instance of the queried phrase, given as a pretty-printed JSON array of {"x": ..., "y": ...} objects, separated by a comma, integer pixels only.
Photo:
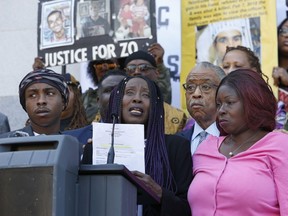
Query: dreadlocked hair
[
  {"x": 156, "y": 157},
  {"x": 91, "y": 71},
  {"x": 79, "y": 116}
]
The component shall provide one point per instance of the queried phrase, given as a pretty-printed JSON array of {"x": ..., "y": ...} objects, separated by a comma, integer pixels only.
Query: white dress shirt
[{"x": 211, "y": 130}]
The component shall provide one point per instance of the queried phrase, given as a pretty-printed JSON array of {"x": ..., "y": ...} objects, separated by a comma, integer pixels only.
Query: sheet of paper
[{"x": 128, "y": 144}]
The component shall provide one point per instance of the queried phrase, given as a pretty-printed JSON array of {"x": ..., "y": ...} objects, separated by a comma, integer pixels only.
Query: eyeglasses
[
  {"x": 142, "y": 68},
  {"x": 283, "y": 31},
  {"x": 71, "y": 83},
  {"x": 105, "y": 66},
  {"x": 204, "y": 87},
  {"x": 228, "y": 40}
]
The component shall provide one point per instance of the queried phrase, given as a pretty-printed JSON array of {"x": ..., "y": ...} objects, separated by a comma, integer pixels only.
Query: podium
[
  {"x": 42, "y": 175},
  {"x": 38, "y": 175},
  {"x": 111, "y": 190}
]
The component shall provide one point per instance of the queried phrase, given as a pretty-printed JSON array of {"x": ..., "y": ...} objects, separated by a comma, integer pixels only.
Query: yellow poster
[{"x": 252, "y": 23}]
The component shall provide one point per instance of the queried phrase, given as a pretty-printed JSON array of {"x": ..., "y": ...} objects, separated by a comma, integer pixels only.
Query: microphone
[{"x": 111, "y": 152}]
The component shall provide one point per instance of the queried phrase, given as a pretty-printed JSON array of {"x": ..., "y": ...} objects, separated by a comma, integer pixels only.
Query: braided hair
[
  {"x": 156, "y": 157},
  {"x": 79, "y": 116},
  {"x": 252, "y": 58}
]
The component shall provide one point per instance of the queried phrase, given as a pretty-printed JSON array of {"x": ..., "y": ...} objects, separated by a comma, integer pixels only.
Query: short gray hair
[{"x": 218, "y": 70}]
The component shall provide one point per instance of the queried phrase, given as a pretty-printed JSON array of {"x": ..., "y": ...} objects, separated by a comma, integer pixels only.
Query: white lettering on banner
[
  {"x": 66, "y": 57},
  {"x": 83, "y": 54},
  {"x": 103, "y": 51},
  {"x": 128, "y": 47}
]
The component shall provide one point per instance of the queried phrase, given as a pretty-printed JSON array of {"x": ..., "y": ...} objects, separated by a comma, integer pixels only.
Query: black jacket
[{"x": 26, "y": 131}]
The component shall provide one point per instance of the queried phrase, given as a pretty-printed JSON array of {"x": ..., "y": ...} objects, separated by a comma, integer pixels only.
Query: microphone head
[{"x": 114, "y": 116}]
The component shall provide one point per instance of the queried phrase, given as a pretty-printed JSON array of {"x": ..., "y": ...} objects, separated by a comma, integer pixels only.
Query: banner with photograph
[
  {"x": 209, "y": 26},
  {"x": 72, "y": 31}
]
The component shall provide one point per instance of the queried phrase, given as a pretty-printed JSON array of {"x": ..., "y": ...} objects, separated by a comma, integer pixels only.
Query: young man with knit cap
[
  {"x": 143, "y": 63},
  {"x": 43, "y": 95}
]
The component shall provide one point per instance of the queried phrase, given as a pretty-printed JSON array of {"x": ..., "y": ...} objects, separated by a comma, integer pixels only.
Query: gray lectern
[
  {"x": 38, "y": 175},
  {"x": 111, "y": 190}
]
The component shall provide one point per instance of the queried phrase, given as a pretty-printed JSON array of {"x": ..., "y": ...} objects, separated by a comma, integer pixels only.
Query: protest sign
[
  {"x": 253, "y": 23},
  {"x": 78, "y": 31}
]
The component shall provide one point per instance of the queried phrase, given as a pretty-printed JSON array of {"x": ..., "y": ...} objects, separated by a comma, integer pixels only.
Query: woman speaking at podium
[{"x": 168, "y": 163}]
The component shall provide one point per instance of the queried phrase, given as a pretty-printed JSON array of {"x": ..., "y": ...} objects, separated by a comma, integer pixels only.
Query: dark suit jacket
[
  {"x": 82, "y": 134},
  {"x": 4, "y": 124},
  {"x": 172, "y": 203},
  {"x": 187, "y": 134},
  {"x": 26, "y": 131}
]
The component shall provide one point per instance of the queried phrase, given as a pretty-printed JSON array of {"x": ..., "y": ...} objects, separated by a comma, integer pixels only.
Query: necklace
[{"x": 231, "y": 153}]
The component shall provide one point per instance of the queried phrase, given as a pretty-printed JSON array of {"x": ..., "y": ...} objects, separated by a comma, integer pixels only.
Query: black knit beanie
[{"x": 141, "y": 55}]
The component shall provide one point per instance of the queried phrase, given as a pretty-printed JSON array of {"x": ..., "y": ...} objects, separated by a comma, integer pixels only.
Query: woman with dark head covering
[
  {"x": 245, "y": 172},
  {"x": 168, "y": 163}
]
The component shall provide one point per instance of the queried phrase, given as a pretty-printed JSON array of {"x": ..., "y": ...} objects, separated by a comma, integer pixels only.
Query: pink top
[{"x": 253, "y": 182}]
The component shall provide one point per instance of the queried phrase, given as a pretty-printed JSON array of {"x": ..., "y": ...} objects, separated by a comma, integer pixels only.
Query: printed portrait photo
[
  {"x": 93, "y": 18},
  {"x": 56, "y": 24},
  {"x": 133, "y": 19},
  {"x": 212, "y": 40}
]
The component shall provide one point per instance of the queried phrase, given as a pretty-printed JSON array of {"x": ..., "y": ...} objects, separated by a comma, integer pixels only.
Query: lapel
[
  {"x": 187, "y": 134},
  {"x": 28, "y": 129},
  {"x": 191, "y": 132}
]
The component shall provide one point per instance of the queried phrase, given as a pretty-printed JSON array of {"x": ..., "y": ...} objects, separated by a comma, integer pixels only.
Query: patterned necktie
[{"x": 202, "y": 137}]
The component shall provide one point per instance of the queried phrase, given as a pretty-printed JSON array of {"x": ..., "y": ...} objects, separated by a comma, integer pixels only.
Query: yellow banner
[{"x": 202, "y": 20}]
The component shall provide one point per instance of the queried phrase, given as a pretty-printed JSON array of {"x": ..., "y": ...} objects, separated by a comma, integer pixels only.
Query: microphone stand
[{"x": 111, "y": 152}]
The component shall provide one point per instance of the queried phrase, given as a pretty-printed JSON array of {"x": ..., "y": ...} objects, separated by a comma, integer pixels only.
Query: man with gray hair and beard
[{"x": 200, "y": 88}]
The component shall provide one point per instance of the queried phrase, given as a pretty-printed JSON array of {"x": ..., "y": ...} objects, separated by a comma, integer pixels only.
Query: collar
[
  {"x": 37, "y": 134},
  {"x": 211, "y": 130}
]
